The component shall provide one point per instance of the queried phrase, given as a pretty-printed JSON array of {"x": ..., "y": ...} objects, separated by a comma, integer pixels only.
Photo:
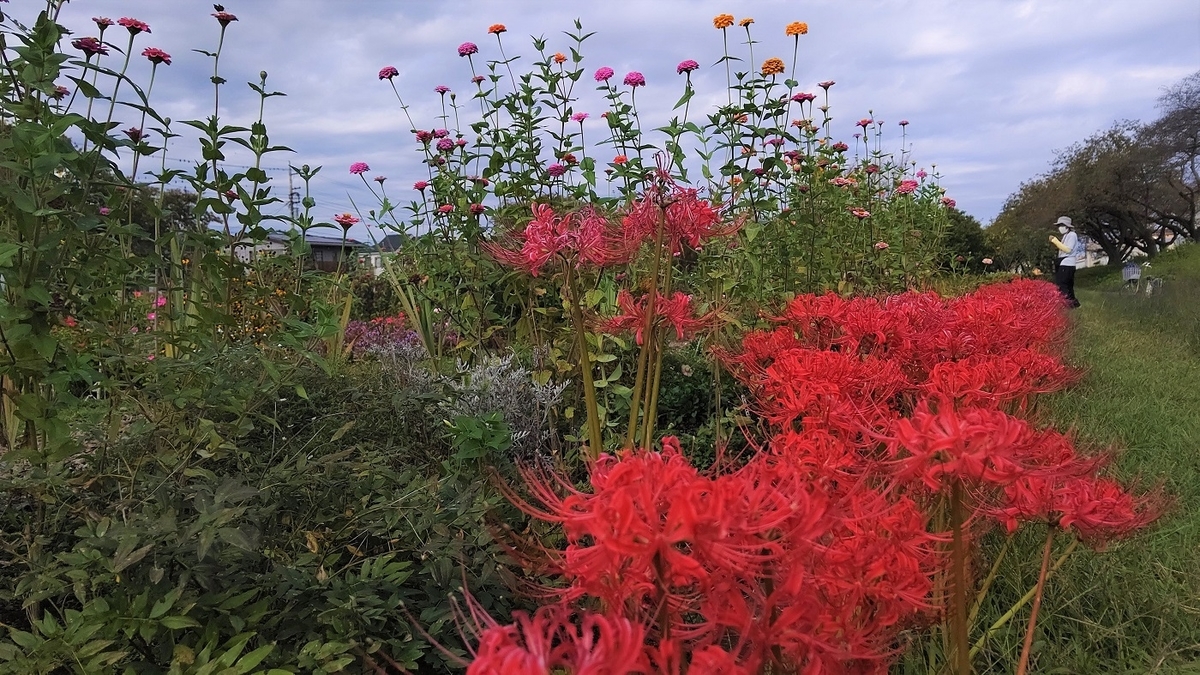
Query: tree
[{"x": 965, "y": 239}]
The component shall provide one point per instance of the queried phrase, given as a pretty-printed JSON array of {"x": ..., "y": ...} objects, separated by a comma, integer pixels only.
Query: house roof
[{"x": 318, "y": 240}]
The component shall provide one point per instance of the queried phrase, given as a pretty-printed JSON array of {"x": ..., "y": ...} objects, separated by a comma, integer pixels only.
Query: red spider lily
[
  {"x": 550, "y": 640},
  {"x": 1098, "y": 510},
  {"x": 688, "y": 219},
  {"x": 677, "y": 311},
  {"x": 582, "y": 238}
]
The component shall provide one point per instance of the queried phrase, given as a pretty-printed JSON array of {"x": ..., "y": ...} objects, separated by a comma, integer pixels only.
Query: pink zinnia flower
[
  {"x": 556, "y": 169},
  {"x": 921, "y": 174},
  {"x": 424, "y": 136},
  {"x": 860, "y": 213},
  {"x": 477, "y": 209},
  {"x": 359, "y": 168},
  {"x": 103, "y": 21},
  {"x": 156, "y": 55},
  {"x": 603, "y": 74},
  {"x": 380, "y": 179},
  {"x": 149, "y": 357},
  {"x": 803, "y": 96},
  {"x": 104, "y": 210},
  {"x": 579, "y": 117},
  {"x": 986, "y": 261},
  {"x": 865, "y": 122},
  {"x": 445, "y": 144},
  {"x": 441, "y": 133},
  {"x": 445, "y": 208},
  {"x": 441, "y": 89},
  {"x": 903, "y": 123},
  {"x": 388, "y": 72},
  {"x": 686, "y": 66},
  {"x": 150, "y": 316},
  {"x": 90, "y": 46},
  {"x": 462, "y": 142},
  {"x": 420, "y": 185},
  {"x": 840, "y": 147},
  {"x": 948, "y": 203},
  {"x": 773, "y": 141},
  {"x": 346, "y": 220},
  {"x": 135, "y": 134},
  {"x": 133, "y": 25},
  {"x": 161, "y": 301},
  {"x": 467, "y": 49},
  {"x": 60, "y": 92},
  {"x": 881, "y": 246},
  {"x": 635, "y": 79},
  {"x": 477, "y": 79},
  {"x": 826, "y": 84},
  {"x": 907, "y": 187},
  {"x": 224, "y": 18}
]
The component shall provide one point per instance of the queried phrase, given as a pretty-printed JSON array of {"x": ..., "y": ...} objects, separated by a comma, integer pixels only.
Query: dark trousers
[{"x": 1064, "y": 276}]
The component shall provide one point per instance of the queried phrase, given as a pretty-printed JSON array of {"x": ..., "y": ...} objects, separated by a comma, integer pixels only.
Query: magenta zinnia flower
[
  {"x": 556, "y": 169},
  {"x": 133, "y": 25},
  {"x": 388, "y": 72},
  {"x": 90, "y": 46},
  {"x": 346, "y": 220},
  {"x": 135, "y": 134},
  {"x": 103, "y": 21},
  {"x": 802, "y": 97},
  {"x": 420, "y": 185},
  {"x": 635, "y": 79},
  {"x": 686, "y": 66},
  {"x": 156, "y": 55},
  {"x": 60, "y": 92},
  {"x": 224, "y": 18},
  {"x": 579, "y": 117},
  {"x": 948, "y": 203},
  {"x": 440, "y": 133},
  {"x": 477, "y": 79},
  {"x": 441, "y": 89},
  {"x": 603, "y": 74},
  {"x": 359, "y": 168},
  {"x": 445, "y": 144},
  {"x": 467, "y": 49}
]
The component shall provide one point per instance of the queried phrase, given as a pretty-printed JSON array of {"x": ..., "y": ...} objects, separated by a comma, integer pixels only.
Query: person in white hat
[{"x": 1070, "y": 250}]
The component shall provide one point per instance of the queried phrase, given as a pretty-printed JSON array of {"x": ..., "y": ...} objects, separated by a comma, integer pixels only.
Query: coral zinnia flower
[
  {"x": 635, "y": 79},
  {"x": 559, "y": 57},
  {"x": 224, "y": 18},
  {"x": 359, "y": 168},
  {"x": 686, "y": 66},
  {"x": 445, "y": 208},
  {"x": 103, "y": 22},
  {"x": 863, "y": 213},
  {"x": 467, "y": 49},
  {"x": 796, "y": 28},
  {"x": 620, "y": 159},
  {"x": 603, "y": 74},
  {"x": 948, "y": 203},
  {"x": 826, "y": 84},
  {"x": 497, "y": 28},
  {"x": 420, "y": 185},
  {"x": 907, "y": 187},
  {"x": 723, "y": 21},
  {"x": 881, "y": 246},
  {"x": 133, "y": 25},
  {"x": 156, "y": 55},
  {"x": 388, "y": 72},
  {"x": 579, "y": 117},
  {"x": 772, "y": 66},
  {"x": 745, "y": 23},
  {"x": 346, "y": 220}
]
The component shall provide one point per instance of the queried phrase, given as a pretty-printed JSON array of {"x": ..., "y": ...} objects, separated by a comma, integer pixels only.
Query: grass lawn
[{"x": 1134, "y": 608}]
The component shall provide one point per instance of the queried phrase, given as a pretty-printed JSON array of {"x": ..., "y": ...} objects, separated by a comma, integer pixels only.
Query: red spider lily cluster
[
  {"x": 817, "y": 552},
  {"x": 677, "y": 311}
]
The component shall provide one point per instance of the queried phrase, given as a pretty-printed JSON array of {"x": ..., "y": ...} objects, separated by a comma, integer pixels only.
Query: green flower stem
[
  {"x": 959, "y": 640},
  {"x": 595, "y": 440},
  {"x": 647, "y": 325},
  {"x": 1012, "y": 611}
]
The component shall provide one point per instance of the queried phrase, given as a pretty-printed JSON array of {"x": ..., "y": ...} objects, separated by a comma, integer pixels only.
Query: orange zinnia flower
[
  {"x": 559, "y": 57},
  {"x": 772, "y": 66},
  {"x": 745, "y": 23},
  {"x": 723, "y": 21},
  {"x": 497, "y": 28},
  {"x": 796, "y": 28}
]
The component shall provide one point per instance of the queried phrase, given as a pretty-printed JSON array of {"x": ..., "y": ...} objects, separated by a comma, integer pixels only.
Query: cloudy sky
[{"x": 991, "y": 88}]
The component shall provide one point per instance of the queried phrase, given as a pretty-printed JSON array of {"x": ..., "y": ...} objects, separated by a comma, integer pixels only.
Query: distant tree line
[{"x": 1130, "y": 188}]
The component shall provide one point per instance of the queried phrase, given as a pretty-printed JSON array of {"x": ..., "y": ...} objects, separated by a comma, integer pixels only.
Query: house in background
[{"x": 325, "y": 253}]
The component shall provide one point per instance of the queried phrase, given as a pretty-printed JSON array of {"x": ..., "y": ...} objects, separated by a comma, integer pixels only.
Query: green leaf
[{"x": 179, "y": 622}]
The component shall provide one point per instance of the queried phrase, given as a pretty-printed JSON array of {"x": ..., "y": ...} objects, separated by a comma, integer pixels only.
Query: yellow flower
[
  {"x": 796, "y": 28},
  {"x": 772, "y": 66},
  {"x": 723, "y": 21},
  {"x": 744, "y": 23}
]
